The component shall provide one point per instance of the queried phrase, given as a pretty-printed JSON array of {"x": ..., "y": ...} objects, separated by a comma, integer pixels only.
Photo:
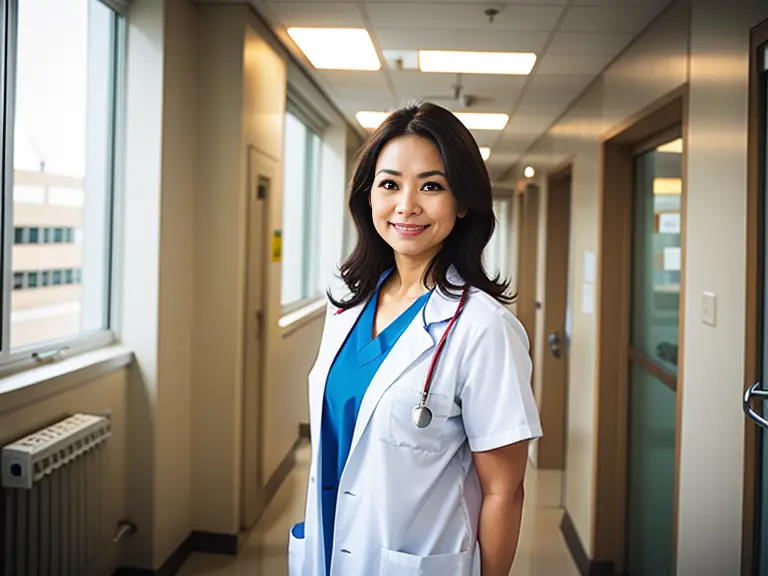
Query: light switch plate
[{"x": 709, "y": 308}]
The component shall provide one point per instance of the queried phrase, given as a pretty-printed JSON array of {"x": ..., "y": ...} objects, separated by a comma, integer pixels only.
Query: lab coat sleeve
[{"x": 498, "y": 407}]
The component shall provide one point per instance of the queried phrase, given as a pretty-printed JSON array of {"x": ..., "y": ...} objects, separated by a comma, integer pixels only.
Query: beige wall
[{"x": 712, "y": 423}]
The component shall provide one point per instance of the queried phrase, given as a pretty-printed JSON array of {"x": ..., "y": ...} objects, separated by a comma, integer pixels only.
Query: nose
[{"x": 408, "y": 204}]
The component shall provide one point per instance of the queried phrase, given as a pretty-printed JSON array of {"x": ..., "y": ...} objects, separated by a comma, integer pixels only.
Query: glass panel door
[{"x": 656, "y": 264}]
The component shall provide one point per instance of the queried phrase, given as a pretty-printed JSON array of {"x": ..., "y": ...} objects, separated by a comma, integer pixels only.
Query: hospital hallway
[{"x": 542, "y": 550}]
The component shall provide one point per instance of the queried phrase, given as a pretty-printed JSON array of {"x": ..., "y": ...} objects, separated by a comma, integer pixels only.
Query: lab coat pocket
[
  {"x": 403, "y": 432},
  {"x": 296, "y": 550},
  {"x": 401, "y": 564}
]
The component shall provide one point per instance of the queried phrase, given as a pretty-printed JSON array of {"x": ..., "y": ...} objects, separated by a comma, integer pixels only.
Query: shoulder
[{"x": 487, "y": 318}]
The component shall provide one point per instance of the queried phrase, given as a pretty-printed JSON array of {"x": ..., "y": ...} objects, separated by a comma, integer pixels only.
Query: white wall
[{"x": 710, "y": 507}]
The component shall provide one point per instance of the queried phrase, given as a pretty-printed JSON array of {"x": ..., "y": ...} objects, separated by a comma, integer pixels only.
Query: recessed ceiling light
[
  {"x": 676, "y": 146},
  {"x": 529, "y": 172},
  {"x": 518, "y": 63},
  {"x": 485, "y": 152},
  {"x": 479, "y": 121},
  {"x": 371, "y": 120},
  {"x": 337, "y": 48}
]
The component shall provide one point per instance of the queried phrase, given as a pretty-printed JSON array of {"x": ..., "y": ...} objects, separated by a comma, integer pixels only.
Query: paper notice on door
[
  {"x": 672, "y": 257},
  {"x": 590, "y": 267},
  {"x": 588, "y": 298},
  {"x": 669, "y": 223}
]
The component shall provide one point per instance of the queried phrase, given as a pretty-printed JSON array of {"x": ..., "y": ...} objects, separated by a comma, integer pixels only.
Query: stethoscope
[{"x": 421, "y": 415}]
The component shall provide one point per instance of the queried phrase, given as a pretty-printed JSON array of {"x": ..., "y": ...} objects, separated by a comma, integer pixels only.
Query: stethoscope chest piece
[{"x": 421, "y": 416}]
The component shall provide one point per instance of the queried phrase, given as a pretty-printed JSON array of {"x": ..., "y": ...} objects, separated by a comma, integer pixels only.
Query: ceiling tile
[
  {"x": 490, "y": 40},
  {"x": 328, "y": 14},
  {"x": 658, "y": 3},
  {"x": 357, "y": 86},
  {"x": 462, "y": 16},
  {"x": 543, "y": 105},
  {"x": 496, "y": 93},
  {"x": 544, "y": 83},
  {"x": 588, "y": 43},
  {"x": 616, "y": 19},
  {"x": 572, "y": 63}
]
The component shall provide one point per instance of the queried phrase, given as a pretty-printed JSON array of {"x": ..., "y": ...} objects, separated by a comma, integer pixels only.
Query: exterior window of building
[
  {"x": 301, "y": 191},
  {"x": 61, "y": 105}
]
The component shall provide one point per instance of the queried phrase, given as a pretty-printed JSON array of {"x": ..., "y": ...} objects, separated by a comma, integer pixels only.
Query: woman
[{"x": 395, "y": 488}]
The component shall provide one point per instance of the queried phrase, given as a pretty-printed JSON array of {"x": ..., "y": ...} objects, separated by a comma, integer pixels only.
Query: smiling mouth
[{"x": 409, "y": 229}]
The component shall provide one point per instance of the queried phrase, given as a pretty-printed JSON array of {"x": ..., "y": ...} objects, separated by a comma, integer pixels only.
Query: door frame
[
  {"x": 617, "y": 152},
  {"x": 754, "y": 306},
  {"x": 253, "y": 498},
  {"x": 553, "y": 401},
  {"x": 527, "y": 259}
]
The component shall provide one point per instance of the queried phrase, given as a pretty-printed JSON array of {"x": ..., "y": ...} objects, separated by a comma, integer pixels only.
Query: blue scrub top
[{"x": 349, "y": 378}]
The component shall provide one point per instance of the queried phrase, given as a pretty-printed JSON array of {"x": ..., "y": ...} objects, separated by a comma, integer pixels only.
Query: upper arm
[
  {"x": 498, "y": 407},
  {"x": 501, "y": 471}
]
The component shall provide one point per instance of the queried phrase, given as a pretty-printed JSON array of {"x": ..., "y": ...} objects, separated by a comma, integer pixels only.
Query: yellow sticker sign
[{"x": 277, "y": 246}]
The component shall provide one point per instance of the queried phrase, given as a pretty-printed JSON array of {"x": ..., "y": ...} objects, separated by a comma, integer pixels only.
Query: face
[{"x": 412, "y": 205}]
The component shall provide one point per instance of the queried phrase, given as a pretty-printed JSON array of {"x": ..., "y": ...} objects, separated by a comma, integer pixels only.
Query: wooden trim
[
  {"x": 586, "y": 566},
  {"x": 658, "y": 139},
  {"x": 649, "y": 366},
  {"x": 754, "y": 306},
  {"x": 613, "y": 321}
]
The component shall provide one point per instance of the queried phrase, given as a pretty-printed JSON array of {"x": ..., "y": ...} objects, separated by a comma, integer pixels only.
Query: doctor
[{"x": 420, "y": 398}]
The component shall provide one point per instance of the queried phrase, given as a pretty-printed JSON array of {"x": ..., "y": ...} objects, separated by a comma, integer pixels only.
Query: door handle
[
  {"x": 553, "y": 340},
  {"x": 755, "y": 391}
]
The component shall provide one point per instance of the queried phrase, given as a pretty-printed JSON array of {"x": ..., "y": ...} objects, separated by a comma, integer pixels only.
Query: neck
[{"x": 409, "y": 279}]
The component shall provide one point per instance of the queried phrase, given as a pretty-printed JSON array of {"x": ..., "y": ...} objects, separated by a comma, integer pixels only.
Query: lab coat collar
[{"x": 442, "y": 306}]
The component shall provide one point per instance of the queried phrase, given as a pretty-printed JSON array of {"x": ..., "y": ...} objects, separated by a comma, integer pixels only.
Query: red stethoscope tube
[{"x": 421, "y": 414}]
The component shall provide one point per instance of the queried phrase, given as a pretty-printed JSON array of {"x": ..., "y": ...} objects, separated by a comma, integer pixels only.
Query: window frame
[{"x": 30, "y": 356}]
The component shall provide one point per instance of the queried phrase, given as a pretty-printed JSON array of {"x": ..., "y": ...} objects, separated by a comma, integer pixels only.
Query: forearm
[{"x": 500, "y": 518}]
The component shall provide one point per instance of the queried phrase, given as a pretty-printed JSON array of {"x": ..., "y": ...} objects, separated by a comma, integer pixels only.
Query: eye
[
  {"x": 388, "y": 185},
  {"x": 432, "y": 187}
]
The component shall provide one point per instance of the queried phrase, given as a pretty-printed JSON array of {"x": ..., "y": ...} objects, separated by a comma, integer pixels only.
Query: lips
[{"x": 409, "y": 229}]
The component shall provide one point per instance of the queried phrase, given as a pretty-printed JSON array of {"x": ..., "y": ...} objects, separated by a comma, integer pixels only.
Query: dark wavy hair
[{"x": 471, "y": 186}]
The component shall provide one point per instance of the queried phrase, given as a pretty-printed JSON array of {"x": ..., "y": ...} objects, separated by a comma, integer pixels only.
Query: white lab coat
[{"x": 409, "y": 498}]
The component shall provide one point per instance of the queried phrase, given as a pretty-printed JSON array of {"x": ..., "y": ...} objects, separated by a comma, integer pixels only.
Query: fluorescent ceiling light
[
  {"x": 337, "y": 48},
  {"x": 485, "y": 152},
  {"x": 478, "y": 121},
  {"x": 676, "y": 146},
  {"x": 519, "y": 63},
  {"x": 371, "y": 120},
  {"x": 472, "y": 120},
  {"x": 663, "y": 186}
]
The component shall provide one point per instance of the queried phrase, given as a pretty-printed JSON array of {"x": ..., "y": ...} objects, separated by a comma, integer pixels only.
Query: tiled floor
[{"x": 542, "y": 550}]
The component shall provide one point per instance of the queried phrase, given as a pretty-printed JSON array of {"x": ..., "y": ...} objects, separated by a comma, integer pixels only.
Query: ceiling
[{"x": 574, "y": 41}]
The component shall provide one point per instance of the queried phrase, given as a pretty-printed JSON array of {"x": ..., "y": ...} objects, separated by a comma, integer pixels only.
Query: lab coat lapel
[
  {"x": 337, "y": 330},
  {"x": 413, "y": 343}
]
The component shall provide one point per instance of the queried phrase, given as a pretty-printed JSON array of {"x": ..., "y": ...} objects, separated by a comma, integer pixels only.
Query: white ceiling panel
[
  {"x": 329, "y": 14},
  {"x": 616, "y": 19},
  {"x": 544, "y": 106},
  {"x": 490, "y": 40},
  {"x": 357, "y": 86},
  {"x": 461, "y": 16},
  {"x": 588, "y": 43},
  {"x": 543, "y": 83},
  {"x": 658, "y": 3},
  {"x": 572, "y": 64}
]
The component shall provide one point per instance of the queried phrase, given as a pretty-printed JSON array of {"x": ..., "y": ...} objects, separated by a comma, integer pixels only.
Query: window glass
[{"x": 63, "y": 133}]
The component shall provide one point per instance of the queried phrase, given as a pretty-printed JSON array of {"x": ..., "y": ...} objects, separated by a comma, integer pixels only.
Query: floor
[{"x": 542, "y": 550}]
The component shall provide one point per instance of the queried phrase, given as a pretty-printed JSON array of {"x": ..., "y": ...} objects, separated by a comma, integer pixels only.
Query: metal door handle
[
  {"x": 554, "y": 345},
  {"x": 755, "y": 391}
]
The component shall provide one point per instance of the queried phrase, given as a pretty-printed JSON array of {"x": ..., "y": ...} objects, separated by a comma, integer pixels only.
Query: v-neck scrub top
[{"x": 351, "y": 373}]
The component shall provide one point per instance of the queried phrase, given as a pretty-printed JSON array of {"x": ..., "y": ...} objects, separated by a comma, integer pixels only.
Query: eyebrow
[{"x": 422, "y": 175}]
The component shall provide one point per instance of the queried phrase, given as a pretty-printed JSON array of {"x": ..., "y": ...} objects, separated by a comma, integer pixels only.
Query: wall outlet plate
[{"x": 709, "y": 308}]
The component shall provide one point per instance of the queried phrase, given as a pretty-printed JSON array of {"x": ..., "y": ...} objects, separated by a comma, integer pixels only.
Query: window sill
[
  {"x": 41, "y": 382},
  {"x": 291, "y": 322}
]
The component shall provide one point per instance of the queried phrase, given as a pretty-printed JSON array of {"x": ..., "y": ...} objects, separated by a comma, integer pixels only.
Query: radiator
[{"x": 52, "y": 503}]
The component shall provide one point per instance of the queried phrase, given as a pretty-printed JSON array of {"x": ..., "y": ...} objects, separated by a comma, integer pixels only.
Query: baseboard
[
  {"x": 586, "y": 566},
  {"x": 304, "y": 431},
  {"x": 214, "y": 543}
]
